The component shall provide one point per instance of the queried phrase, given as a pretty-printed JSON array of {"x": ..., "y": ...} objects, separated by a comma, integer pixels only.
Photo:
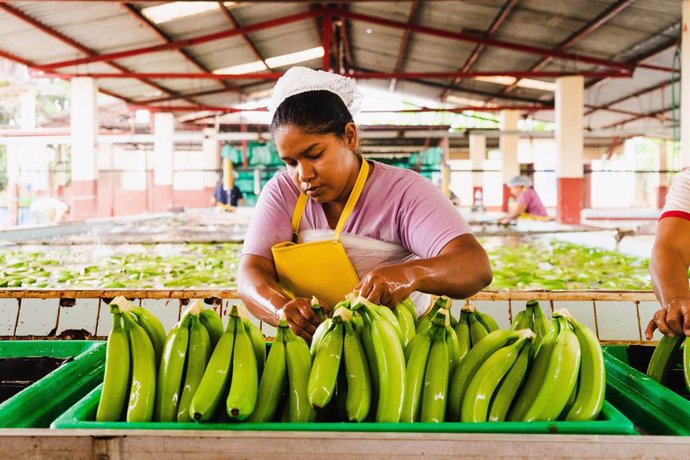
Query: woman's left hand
[{"x": 387, "y": 285}]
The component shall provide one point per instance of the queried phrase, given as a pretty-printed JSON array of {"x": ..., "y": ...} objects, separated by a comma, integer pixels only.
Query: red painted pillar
[
  {"x": 587, "y": 186},
  {"x": 569, "y": 203},
  {"x": 569, "y": 110},
  {"x": 83, "y": 190}
]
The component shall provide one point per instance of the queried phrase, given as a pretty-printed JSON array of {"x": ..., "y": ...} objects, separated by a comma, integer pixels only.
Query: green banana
[
  {"x": 244, "y": 385},
  {"x": 153, "y": 327},
  {"x": 483, "y": 385},
  {"x": 198, "y": 354},
  {"x": 453, "y": 348},
  {"x": 258, "y": 344},
  {"x": 388, "y": 315},
  {"x": 417, "y": 356},
  {"x": 424, "y": 322},
  {"x": 390, "y": 362},
  {"x": 470, "y": 364},
  {"x": 509, "y": 386},
  {"x": 299, "y": 367},
  {"x": 540, "y": 324},
  {"x": 273, "y": 380},
  {"x": 477, "y": 329},
  {"x": 142, "y": 394},
  {"x": 462, "y": 331},
  {"x": 324, "y": 369},
  {"x": 435, "y": 389},
  {"x": 316, "y": 306},
  {"x": 368, "y": 345},
  {"x": 406, "y": 323},
  {"x": 318, "y": 335},
  {"x": 534, "y": 379},
  {"x": 171, "y": 372},
  {"x": 213, "y": 324},
  {"x": 116, "y": 379},
  {"x": 523, "y": 320},
  {"x": 214, "y": 382},
  {"x": 664, "y": 356},
  {"x": 358, "y": 399},
  {"x": 560, "y": 377},
  {"x": 592, "y": 380},
  {"x": 686, "y": 363},
  {"x": 487, "y": 320},
  {"x": 408, "y": 304}
]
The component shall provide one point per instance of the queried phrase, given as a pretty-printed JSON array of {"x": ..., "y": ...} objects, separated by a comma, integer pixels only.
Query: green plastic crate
[
  {"x": 653, "y": 407},
  {"x": 611, "y": 421},
  {"x": 41, "y": 402}
]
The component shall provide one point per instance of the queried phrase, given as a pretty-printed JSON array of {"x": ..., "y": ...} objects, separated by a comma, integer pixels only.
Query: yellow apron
[{"x": 318, "y": 268}]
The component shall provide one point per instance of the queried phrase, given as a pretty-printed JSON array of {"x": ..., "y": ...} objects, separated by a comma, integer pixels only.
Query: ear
[{"x": 351, "y": 136}]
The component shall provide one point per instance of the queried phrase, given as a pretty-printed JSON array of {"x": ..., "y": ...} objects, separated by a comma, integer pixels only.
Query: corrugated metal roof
[{"x": 107, "y": 27}]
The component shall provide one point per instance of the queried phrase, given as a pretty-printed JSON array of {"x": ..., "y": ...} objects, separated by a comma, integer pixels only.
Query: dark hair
[{"x": 315, "y": 112}]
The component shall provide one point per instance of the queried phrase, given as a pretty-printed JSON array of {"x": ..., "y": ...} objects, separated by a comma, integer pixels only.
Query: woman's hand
[
  {"x": 672, "y": 320},
  {"x": 388, "y": 285},
  {"x": 301, "y": 317}
]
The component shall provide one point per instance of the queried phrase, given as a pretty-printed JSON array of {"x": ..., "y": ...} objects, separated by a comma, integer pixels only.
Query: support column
[
  {"x": 15, "y": 151},
  {"x": 662, "y": 188},
  {"x": 84, "y": 129},
  {"x": 587, "y": 186},
  {"x": 163, "y": 145},
  {"x": 508, "y": 144},
  {"x": 212, "y": 166},
  {"x": 477, "y": 157},
  {"x": 685, "y": 87},
  {"x": 445, "y": 167},
  {"x": 569, "y": 147}
]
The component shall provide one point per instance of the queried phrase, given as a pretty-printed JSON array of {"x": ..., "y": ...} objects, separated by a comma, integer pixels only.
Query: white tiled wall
[
  {"x": 166, "y": 310},
  {"x": 583, "y": 311},
  {"x": 82, "y": 315},
  {"x": 37, "y": 317},
  {"x": 647, "y": 310},
  {"x": 617, "y": 320},
  {"x": 8, "y": 316}
]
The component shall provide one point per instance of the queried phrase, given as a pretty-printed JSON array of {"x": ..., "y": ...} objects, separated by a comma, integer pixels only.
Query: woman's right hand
[{"x": 301, "y": 317}]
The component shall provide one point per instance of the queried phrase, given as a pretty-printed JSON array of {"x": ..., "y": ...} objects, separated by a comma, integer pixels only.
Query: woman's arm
[
  {"x": 258, "y": 288},
  {"x": 669, "y": 270},
  {"x": 460, "y": 270},
  {"x": 519, "y": 208}
]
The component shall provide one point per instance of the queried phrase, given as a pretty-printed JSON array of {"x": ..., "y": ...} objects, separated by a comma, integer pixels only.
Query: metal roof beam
[
  {"x": 474, "y": 56},
  {"x": 654, "y": 114},
  {"x": 402, "y": 52},
  {"x": 639, "y": 93},
  {"x": 183, "y": 43},
  {"x": 236, "y": 25},
  {"x": 360, "y": 75},
  {"x": 592, "y": 26},
  {"x": 487, "y": 41}
]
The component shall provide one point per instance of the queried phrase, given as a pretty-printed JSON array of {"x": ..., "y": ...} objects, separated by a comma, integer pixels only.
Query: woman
[
  {"x": 527, "y": 200},
  {"x": 334, "y": 221}
]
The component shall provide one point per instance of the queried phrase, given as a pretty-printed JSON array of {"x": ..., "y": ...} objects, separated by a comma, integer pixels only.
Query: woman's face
[{"x": 321, "y": 165}]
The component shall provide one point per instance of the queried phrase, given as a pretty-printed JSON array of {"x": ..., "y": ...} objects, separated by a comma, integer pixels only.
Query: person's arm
[
  {"x": 519, "y": 208},
  {"x": 258, "y": 288},
  {"x": 669, "y": 269},
  {"x": 460, "y": 270}
]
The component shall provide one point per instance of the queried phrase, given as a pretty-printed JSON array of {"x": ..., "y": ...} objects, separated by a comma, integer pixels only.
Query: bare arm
[
  {"x": 259, "y": 290},
  {"x": 460, "y": 270},
  {"x": 515, "y": 213},
  {"x": 669, "y": 270}
]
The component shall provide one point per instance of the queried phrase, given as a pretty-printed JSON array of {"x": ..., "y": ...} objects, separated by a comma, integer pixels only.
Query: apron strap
[
  {"x": 349, "y": 206},
  {"x": 297, "y": 216},
  {"x": 354, "y": 197}
]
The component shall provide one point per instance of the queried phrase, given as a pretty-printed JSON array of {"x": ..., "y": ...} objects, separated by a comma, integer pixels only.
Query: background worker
[
  {"x": 384, "y": 230},
  {"x": 526, "y": 200},
  {"x": 670, "y": 261}
]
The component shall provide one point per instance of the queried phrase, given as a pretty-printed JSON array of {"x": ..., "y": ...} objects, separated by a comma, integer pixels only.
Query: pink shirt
[
  {"x": 532, "y": 202},
  {"x": 397, "y": 206}
]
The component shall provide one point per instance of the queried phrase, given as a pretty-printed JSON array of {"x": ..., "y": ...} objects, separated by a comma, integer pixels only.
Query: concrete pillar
[
  {"x": 508, "y": 144},
  {"x": 163, "y": 146},
  {"x": 27, "y": 111},
  {"x": 84, "y": 130},
  {"x": 445, "y": 167},
  {"x": 662, "y": 188},
  {"x": 211, "y": 161},
  {"x": 587, "y": 185},
  {"x": 569, "y": 147},
  {"x": 685, "y": 87},
  {"x": 477, "y": 157}
]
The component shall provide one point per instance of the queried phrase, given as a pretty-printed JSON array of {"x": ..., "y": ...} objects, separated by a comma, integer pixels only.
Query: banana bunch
[
  {"x": 567, "y": 379},
  {"x": 134, "y": 348},
  {"x": 233, "y": 372},
  {"x": 187, "y": 351},
  {"x": 532, "y": 317},
  {"x": 472, "y": 327},
  {"x": 665, "y": 355}
]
